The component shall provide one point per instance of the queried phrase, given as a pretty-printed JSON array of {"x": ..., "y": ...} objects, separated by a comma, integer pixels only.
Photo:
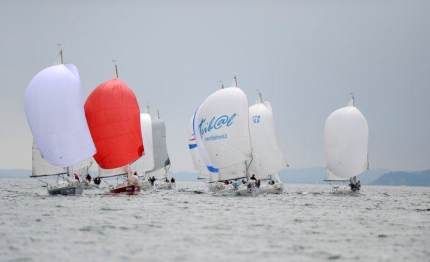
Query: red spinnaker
[{"x": 113, "y": 118}]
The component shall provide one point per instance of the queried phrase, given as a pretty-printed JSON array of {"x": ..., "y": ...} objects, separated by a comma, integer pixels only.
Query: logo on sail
[{"x": 215, "y": 123}]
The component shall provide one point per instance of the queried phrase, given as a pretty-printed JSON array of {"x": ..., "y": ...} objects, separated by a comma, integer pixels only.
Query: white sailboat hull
[
  {"x": 246, "y": 190},
  {"x": 277, "y": 188},
  {"x": 344, "y": 190}
]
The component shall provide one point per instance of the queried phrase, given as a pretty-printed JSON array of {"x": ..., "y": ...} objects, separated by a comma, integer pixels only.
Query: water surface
[{"x": 306, "y": 223}]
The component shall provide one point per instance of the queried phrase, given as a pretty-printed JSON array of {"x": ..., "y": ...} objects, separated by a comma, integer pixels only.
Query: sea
[{"x": 306, "y": 223}]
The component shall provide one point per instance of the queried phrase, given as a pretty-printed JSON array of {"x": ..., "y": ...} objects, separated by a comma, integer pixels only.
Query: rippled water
[{"x": 306, "y": 223}]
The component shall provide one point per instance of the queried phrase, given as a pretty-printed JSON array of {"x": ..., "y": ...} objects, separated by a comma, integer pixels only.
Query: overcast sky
[{"x": 305, "y": 57}]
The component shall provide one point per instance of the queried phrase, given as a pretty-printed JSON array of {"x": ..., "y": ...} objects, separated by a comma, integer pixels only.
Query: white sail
[
  {"x": 54, "y": 106},
  {"x": 268, "y": 157},
  {"x": 346, "y": 140},
  {"x": 161, "y": 158},
  {"x": 146, "y": 162},
  {"x": 213, "y": 171},
  {"x": 40, "y": 167},
  {"x": 199, "y": 164},
  {"x": 221, "y": 126},
  {"x": 124, "y": 170}
]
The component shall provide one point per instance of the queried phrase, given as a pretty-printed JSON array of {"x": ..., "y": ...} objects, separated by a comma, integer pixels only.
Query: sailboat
[
  {"x": 268, "y": 158},
  {"x": 160, "y": 172},
  {"x": 113, "y": 117},
  {"x": 223, "y": 140},
  {"x": 146, "y": 162},
  {"x": 346, "y": 140},
  {"x": 54, "y": 107}
]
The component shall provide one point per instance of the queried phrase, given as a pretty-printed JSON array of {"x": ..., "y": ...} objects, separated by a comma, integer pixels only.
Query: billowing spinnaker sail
[
  {"x": 221, "y": 124},
  {"x": 346, "y": 137},
  {"x": 54, "y": 106},
  {"x": 161, "y": 157},
  {"x": 195, "y": 154},
  {"x": 113, "y": 117},
  {"x": 266, "y": 151},
  {"x": 146, "y": 162}
]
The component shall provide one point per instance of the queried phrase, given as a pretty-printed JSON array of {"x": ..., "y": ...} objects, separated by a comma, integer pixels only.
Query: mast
[
  {"x": 115, "y": 70},
  {"x": 353, "y": 102}
]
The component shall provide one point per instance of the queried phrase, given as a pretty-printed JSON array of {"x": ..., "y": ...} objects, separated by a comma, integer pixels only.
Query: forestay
[{"x": 346, "y": 140}]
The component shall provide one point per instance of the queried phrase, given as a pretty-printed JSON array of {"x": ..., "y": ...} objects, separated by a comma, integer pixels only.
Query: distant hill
[
  {"x": 316, "y": 175},
  {"x": 401, "y": 178},
  {"x": 312, "y": 175}
]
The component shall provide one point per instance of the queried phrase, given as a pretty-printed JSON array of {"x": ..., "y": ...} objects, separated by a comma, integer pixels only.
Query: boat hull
[
  {"x": 128, "y": 190},
  {"x": 253, "y": 191},
  {"x": 346, "y": 190},
  {"x": 66, "y": 191},
  {"x": 277, "y": 188}
]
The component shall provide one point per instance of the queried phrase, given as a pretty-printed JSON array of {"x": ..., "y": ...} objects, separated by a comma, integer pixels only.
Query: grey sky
[{"x": 305, "y": 57}]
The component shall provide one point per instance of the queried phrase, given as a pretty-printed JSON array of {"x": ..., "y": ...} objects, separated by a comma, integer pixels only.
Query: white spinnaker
[
  {"x": 221, "y": 124},
  {"x": 267, "y": 154},
  {"x": 199, "y": 164},
  {"x": 54, "y": 106},
  {"x": 145, "y": 162},
  {"x": 346, "y": 140}
]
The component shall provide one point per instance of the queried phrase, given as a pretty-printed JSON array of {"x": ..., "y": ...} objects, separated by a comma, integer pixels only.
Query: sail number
[{"x": 256, "y": 119}]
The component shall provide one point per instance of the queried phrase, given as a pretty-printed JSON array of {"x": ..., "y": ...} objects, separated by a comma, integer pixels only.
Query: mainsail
[
  {"x": 161, "y": 157},
  {"x": 113, "y": 117},
  {"x": 41, "y": 167},
  {"x": 346, "y": 139},
  {"x": 146, "y": 162},
  {"x": 268, "y": 157}
]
